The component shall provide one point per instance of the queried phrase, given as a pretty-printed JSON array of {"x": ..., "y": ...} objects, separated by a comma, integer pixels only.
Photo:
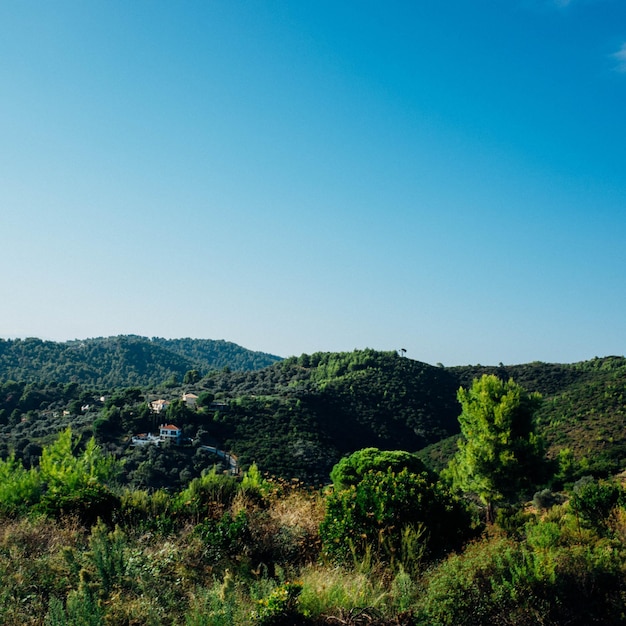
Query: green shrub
[
  {"x": 386, "y": 508},
  {"x": 280, "y": 607},
  {"x": 81, "y": 609},
  {"x": 592, "y": 502},
  {"x": 87, "y": 503},
  {"x": 351, "y": 469},
  {"x": 224, "y": 539},
  {"x": 549, "y": 578},
  {"x": 484, "y": 585},
  {"x": 109, "y": 557},
  {"x": 209, "y": 494},
  {"x": 19, "y": 488},
  {"x": 147, "y": 512}
]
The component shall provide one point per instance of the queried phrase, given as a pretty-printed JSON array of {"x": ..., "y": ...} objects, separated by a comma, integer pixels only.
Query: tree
[
  {"x": 388, "y": 504},
  {"x": 351, "y": 469},
  {"x": 191, "y": 377},
  {"x": 500, "y": 455}
]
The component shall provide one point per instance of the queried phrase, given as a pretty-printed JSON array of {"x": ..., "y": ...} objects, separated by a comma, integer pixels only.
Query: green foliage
[
  {"x": 19, "y": 488},
  {"x": 351, "y": 469},
  {"x": 553, "y": 577},
  {"x": 593, "y": 501},
  {"x": 63, "y": 483},
  {"x": 147, "y": 512},
  {"x": 216, "y": 606},
  {"x": 191, "y": 377},
  {"x": 108, "y": 552},
  {"x": 553, "y": 570},
  {"x": 396, "y": 515},
  {"x": 64, "y": 472},
  {"x": 87, "y": 503},
  {"x": 210, "y": 492},
  {"x": 280, "y": 607},
  {"x": 300, "y": 416},
  {"x": 121, "y": 361},
  {"x": 225, "y": 538},
  {"x": 204, "y": 399},
  {"x": 82, "y": 609},
  {"x": 500, "y": 454}
]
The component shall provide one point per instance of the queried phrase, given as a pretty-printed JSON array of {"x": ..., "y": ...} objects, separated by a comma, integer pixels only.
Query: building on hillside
[
  {"x": 169, "y": 432},
  {"x": 191, "y": 400},
  {"x": 159, "y": 405},
  {"x": 144, "y": 439}
]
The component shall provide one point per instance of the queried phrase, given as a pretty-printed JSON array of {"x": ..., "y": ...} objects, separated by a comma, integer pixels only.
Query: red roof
[{"x": 169, "y": 427}]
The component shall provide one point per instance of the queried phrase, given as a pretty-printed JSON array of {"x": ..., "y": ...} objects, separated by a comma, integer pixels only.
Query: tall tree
[{"x": 500, "y": 454}]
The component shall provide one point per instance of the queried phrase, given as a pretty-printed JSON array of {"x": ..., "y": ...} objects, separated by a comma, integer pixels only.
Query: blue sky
[{"x": 448, "y": 178}]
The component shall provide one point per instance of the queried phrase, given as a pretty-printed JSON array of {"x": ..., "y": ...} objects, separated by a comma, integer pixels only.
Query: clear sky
[{"x": 443, "y": 177}]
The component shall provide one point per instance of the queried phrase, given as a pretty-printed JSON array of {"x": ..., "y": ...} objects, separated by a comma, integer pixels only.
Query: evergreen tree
[{"x": 500, "y": 455}]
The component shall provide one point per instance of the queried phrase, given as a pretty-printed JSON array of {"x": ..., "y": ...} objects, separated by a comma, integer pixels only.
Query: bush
[
  {"x": 592, "y": 502},
  {"x": 386, "y": 509},
  {"x": 351, "y": 470},
  {"x": 546, "y": 499},
  {"x": 224, "y": 539},
  {"x": 88, "y": 504},
  {"x": 208, "y": 495},
  {"x": 487, "y": 584},
  {"x": 280, "y": 607},
  {"x": 550, "y": 578}
]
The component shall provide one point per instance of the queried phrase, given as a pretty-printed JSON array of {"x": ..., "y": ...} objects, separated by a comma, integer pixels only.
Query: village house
[
  {"x": 191, "y": 400},
  {"x": 159, "y": 405},
  {"x": 144, "y": 439},
  {"x": 169, "y": 432}
]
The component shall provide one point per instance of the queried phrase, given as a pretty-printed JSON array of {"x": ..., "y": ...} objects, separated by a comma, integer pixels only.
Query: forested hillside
[
  {"x": 582, "y": 414},
  {"x": 121, "y": 361},
  {"x": 299, "y": 416},
  {"x": 100, "y": 529}
]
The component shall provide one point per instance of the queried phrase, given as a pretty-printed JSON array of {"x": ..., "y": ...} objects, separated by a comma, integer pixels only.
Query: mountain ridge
[{"x": 121, "y": 360}]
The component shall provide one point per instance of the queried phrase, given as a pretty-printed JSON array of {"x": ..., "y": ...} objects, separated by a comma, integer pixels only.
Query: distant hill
[{"x": 122, "y": 361}]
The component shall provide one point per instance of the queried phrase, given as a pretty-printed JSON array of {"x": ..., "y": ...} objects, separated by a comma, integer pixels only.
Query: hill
[
  {"x": 583, "y": 411},
  {"x": 300, "y": 416},
  {"x": 122, "y": 361},
  {"x": 296, "y": 417}
]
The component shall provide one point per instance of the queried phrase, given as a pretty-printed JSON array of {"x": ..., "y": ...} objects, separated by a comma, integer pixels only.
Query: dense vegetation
[
  {"x": 299, "y": 416},
  {"x": 387, "y": 544},
  {"x": 122, "y": 361},
  {"x": 95, "y": 531},
  {"x": 581, "y": 416}
]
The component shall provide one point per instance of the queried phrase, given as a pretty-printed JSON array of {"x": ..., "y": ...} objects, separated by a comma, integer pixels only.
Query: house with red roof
[{"x": 169, "y": 432}]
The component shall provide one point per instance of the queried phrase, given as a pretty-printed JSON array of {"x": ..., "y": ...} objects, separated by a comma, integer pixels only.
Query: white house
[
  {"x": 169, "y": 432},
  {"x": 144, "y": 439},
  {"x": 159, "y": 405},
  {"x": 190, "y": 399}
]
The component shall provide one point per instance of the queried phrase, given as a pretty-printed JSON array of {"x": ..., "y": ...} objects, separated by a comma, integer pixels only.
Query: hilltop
[{"x": 121, "y": 361}]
